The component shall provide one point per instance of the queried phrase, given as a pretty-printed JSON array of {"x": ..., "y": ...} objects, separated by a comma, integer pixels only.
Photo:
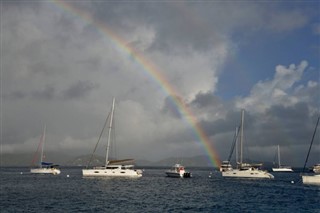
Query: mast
[
  {"x": 43, "y": 138},
  {"x": 241, "y": 136},
  {"x": 109, "y": 133},
  {"x": 236, "y": 142},
  {"x": 314, "y": 133},
  {"x": 279, "y": 156}
]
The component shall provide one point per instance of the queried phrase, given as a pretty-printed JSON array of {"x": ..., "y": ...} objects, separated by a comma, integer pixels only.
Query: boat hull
[
  {"x": 235, "y": 173},
  {"x": 174, "y": 174},
  {"x": 311, "y": 179},
  {"x": 282, "y": 170},
  {"x": 53, "y": 171},
  {"x": 178, "y": 175},
  {"x": 111, "y": 173}
]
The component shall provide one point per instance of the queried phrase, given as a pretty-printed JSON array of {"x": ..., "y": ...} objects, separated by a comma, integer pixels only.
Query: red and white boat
[{"x": 178, "y": 171}]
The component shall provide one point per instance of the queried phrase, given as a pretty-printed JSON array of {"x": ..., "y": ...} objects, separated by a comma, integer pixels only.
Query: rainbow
[{"x": 152, "y": 71}]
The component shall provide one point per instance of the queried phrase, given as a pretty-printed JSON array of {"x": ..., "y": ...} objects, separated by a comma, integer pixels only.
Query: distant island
[{"x": 24, "y": 159}]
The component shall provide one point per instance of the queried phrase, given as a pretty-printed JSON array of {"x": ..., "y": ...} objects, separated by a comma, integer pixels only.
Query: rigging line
[
  {"x": 36, "y": 152},
  {"x": 95, "y": 148},
  {"x": 275, "y": 157},
  {"x": 314, "y": 133},
  {"x": 113, "y": 139},
  {"x": 235, "y": 137}
]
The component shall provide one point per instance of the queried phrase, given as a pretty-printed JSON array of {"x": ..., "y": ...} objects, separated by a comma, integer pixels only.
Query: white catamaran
[
  {"x": 44, "y": 167},
  {"x": 281, "y": 168},
  {"x": 244, "y": 170},
  {"x": 112, "y": 168}
]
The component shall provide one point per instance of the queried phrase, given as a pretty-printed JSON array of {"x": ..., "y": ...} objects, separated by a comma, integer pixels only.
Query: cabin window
[
  {"x": 96, "y": 171},
  {"x": 122, "y": 172}
]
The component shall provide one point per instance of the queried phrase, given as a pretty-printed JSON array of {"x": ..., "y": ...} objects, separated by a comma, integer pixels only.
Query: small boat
[
  {"x": 243, "y": 170},
  {"x": 225, "y": 166},
  {"x": 112, "y": 168},
  {"x": 44, "y": 167},
  {"x": 47, "y": 168},
  {"x": 314, "y": 178},
  {"x": 281, "y": 168},
  {"x": 316, "y": 168},
  {"x": 178, "y": 171}
]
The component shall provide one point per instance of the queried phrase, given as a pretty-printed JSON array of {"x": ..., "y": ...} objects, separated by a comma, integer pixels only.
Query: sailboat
[
  {"x": 112, "y": 168},
  {"x": 281, "y": 168},
  {"x": 244, "y": 170},
  {"x": 314, "y": 178},
  {"x": 44, "y": 167}
]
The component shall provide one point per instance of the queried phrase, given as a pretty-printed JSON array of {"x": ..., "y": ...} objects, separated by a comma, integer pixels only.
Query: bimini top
[{"x": 46, "y": 164}]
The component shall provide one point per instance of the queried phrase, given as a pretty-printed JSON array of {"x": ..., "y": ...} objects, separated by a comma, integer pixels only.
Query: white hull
[
  {"x": 105, "y": 172},
  {"x": 246, "y": 170},
  {"x": 312, "y": 179},
  {"x": 54, "y": 171},
  {"x": 112, "y": 168},
  {"x": 282, "y": 170},
  {"x": 250, "y": 173}
]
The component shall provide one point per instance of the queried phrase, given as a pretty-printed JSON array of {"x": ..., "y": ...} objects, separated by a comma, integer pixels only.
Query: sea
[{"x": 206, "y": 191}]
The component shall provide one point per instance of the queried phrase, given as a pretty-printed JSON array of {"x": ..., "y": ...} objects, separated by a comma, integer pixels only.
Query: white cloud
[{"x": 275, "y": 91}]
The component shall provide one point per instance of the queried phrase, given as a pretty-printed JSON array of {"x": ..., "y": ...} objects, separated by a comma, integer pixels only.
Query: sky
[{"x": 172, "y": 66}]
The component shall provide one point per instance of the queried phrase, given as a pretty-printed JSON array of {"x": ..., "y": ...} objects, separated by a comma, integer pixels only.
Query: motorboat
[
  {"x": 178, "y": 171},
  {"x": 316, "y": 168}
]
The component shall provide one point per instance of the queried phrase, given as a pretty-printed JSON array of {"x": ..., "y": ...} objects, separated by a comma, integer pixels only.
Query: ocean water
[{"x": 206, "y": 191}]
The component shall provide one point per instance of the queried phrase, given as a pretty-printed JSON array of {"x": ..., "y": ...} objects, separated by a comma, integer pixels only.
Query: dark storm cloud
[
  {"x": 283, "y": 125},
  {"x": 48, "y": 93},
  {"x": 14, "y": 95},
  {"x": 208, "y": 99},
  {"x": 169, "y": 20},
  {"x": 225, "y": 125},
  {"x": 78, "y": 90}
]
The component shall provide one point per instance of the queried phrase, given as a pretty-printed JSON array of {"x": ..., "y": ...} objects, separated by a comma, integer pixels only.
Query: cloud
[
  {"x": 270, "y": 92},
  {"x": 60, "y": 69},
  {"x": 78, "y": 90}
]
